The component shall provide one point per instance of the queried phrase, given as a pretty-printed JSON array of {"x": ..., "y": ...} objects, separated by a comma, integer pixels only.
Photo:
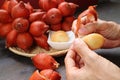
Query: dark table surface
[{"x": 14, "y": 67}]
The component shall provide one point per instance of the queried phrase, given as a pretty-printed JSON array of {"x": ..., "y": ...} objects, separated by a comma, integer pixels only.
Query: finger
[
  {"x": 82, "y": 49},
  {"x": 81, "y": 63},
  {"x": 95, "y": 26},
  {"x": 74, "y": 28},
  {"x": 77, "y": 60},
  {"x": 111, "y": 43},
  {"x": 87, "y": 29},
  {"x": 69, "y": 59}
]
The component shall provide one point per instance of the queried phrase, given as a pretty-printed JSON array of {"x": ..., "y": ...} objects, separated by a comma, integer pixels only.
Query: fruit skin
[
  {"x": 36, "y": 16},
  {"x": 24, "y": 41},
  {"x": 42, "y": 41},
  {"x": 5, "y": 29},
  {"x": 50, "y": 74},
  {"x": 87, "y": 16},
  {"x": 46, "y": 74},
  {"x": 21, "y": 24},
  {"x": 11, "y": 38},
  {"x": 94, "y": 40},
  {"x": 90, "y": 14},
  {"x": 67, "y": 8},
  {"x": 11, "y": 4},
  {"x": 19, "y": 10},
  {"x": 5, "y": 16},
  {"x": 36, "y": 76},
  {"x": 67, "y": 23},
  {"x": 44, "y": 61},
  {"x": 48, "y": 4},
  {"x": 37, "y": 28},
  {"x": 53, "y": 16},
  {"x": 66, "y": 26},
  {"x": 56, "y": 27},
  {"x": 5, "y": 5}
]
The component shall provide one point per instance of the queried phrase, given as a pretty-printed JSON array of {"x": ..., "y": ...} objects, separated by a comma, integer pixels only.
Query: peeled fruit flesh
[
  {"x": 59, "y": 36},
  {"x": 94, "y": 40}
]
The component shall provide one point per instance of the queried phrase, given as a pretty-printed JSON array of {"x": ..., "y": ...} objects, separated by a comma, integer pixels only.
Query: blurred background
[{"x": 81, "y": 3}]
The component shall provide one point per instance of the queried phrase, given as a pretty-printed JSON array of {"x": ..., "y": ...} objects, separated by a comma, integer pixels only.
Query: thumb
[
  {"x": 95, "y": 26},
  {"x": 87, "y": 29},
  {"x": 81, "y": 48}
]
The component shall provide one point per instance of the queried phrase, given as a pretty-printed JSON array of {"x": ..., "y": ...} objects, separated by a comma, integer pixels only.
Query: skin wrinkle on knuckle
[
  {"x": 93, "y": 59},
  {"x": 114, "y": 29},
  {"x": 106, "y": 29},
  {"x": 91, "y": 29}
]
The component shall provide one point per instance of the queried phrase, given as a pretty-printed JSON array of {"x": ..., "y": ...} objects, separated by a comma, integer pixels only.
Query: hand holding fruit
[
  {"x": 84, "y": 64},
  {"x": 81, "y": 62},
  {"x": 88, "y": 22},
  {"x": 110, "y": 31}
]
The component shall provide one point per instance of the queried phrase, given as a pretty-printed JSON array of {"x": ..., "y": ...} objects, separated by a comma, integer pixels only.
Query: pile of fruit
[
  {"x": 24, "y": 27},
  {"x": 46, "y": 68}
]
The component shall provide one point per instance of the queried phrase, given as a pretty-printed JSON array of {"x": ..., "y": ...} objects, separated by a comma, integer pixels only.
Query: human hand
[
  {"x": 110, "y": 30},
  {"x": 83, "y": 64}
]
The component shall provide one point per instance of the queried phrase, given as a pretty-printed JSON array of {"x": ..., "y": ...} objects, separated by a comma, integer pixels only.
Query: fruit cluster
[
  {"x": 46, "y": 66},
  {"x": 23, "y": 26}
]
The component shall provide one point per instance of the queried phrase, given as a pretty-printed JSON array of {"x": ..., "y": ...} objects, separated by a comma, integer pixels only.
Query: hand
[
  {"x": 83, "y": 64},
  {"x": 110, "y": 30}
]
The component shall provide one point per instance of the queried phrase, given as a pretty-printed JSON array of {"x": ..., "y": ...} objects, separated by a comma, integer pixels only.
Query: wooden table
[{"x": 14, "y": 67}]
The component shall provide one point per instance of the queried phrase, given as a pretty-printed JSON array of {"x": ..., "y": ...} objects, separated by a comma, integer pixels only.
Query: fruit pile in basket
[{"x": 23, "y": 26}]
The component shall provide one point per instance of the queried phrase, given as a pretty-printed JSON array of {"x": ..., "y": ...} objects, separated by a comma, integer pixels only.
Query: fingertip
[
  {"x": 84, "y": 51},
  {"x": 87, "y": 29},
  {"x": 78, "y": 43},
  {"x": 69, "y": 60},
  {"x": 81, "y": 47},
  {"x": 74, "y": 28}
]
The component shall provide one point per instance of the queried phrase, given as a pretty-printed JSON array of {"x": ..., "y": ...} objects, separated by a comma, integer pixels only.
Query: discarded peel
[
  {"x": 45, "y": 61},
  {"x": 46, "y": 74}
]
